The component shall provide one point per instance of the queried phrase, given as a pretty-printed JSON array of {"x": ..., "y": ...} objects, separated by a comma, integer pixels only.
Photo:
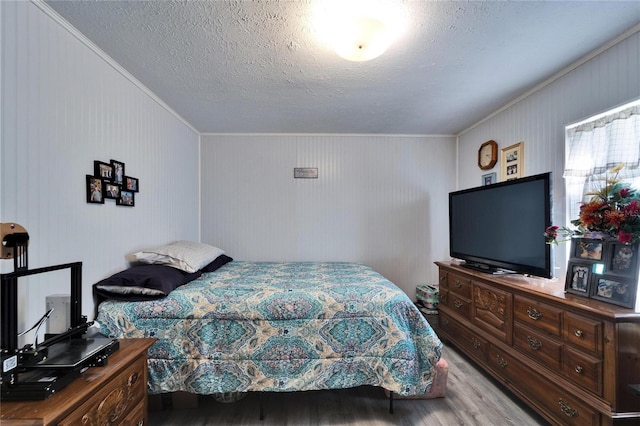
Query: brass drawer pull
[
  {"x": 458, "y": 284},
  {"x": 501, "y": 361},
  {"x": 442, "y": 278},
  {"x": 475, "y": 342},
  {"x": 533, "y": 313},
  {"x": 579, "y": 369},
  {"x": 566, "y": 409},
  {"x": 534, "y": 344},
  {"x": 133, "y": 379},
  {"x": 579, "y": 333},
  {"x": 458, "y": 304}
]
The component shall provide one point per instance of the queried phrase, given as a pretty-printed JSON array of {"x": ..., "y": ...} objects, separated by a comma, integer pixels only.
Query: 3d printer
[{"x": 36, "y": 371}]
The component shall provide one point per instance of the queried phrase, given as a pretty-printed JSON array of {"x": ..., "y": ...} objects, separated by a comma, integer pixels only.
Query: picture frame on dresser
[
  {"x": 587, "y": 248},
  {"x": 622, "y": 259},
  {"x": 579, "y": 277},
  {"x": 603, "y": 269},
  {"x": 619, "y": 291},
  {"x": 586, "y": 262}
]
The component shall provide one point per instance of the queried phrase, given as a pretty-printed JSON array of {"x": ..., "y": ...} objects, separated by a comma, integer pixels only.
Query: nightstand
[{"x": 113, "y": 394}]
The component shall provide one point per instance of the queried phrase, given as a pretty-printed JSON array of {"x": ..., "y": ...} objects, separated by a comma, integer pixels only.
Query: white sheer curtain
[{"x": 595, "y": 146}]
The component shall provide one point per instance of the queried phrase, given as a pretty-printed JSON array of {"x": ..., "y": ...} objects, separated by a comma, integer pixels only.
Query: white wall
[
  {"x": 65, "y": 105},
  {"x": 378, "y": 200},
  {"x": 608, "y": 79}
]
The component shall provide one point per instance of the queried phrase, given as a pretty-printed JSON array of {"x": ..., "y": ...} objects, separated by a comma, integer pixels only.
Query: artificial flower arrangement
[{"x": 613, "y": 211}]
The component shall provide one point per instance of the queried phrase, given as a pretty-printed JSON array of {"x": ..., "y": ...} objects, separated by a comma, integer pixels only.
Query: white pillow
[{"x": 188, "y": 256}]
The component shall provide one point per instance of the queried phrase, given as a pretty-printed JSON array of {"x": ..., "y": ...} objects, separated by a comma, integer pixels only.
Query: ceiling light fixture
[{"x": 359, "y": 30}]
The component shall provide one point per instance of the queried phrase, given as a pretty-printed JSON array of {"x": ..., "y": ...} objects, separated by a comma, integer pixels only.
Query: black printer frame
[{"x": 9, "y": 303}]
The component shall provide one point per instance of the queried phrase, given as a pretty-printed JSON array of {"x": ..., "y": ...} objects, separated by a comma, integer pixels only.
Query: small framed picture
[
  {"x": 512, "y": 162},
  {"x": 118, "y": 171},
  {"x": 578, "y": 278},
  {"x": 111, "y": 190},
  {"x": 585, "y": 248},
  {"x": 131, "y": 184},
  {"x": 622, "y": 259},
  {"x": 618, "y": 291},
  {"x": 95, "y": 190},
  {"x": 126, "y": 199},
  {"x": 103, "y": 170},
  {"x": 489, "y": 178}
]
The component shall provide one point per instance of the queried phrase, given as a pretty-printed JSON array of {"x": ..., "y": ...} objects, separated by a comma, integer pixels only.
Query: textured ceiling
[{"x": 258, "y": 67}]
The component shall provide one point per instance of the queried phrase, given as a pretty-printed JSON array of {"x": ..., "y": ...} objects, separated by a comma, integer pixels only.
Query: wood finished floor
[{"x": 472, "y": 398}]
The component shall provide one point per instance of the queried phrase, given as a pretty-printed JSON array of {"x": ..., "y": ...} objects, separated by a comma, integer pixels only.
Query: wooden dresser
[
  {"x": 110, "y": 395},
  {"x": 570, "y": 358}
]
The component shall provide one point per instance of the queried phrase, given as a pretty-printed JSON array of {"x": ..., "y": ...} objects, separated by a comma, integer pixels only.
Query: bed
[{"x": 280, "y": 327}]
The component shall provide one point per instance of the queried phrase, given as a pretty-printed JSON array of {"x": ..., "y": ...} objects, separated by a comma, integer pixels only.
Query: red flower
[
  {"x": 632, "y": 209},
  {"x": 551, "y": 232},
  {"x": 624, "y": 237},
  {"x": 625, "y": 192}
]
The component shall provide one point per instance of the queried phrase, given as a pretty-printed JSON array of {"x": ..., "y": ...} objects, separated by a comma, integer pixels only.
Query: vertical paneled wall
[
  {"x": 378, "y": 200},
  {"x": 65, "y": 105},
  {"x": 607, "y": 80}
]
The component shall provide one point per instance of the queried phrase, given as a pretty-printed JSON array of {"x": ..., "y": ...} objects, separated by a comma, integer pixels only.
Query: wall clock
[{"x": 487, "y": 155}]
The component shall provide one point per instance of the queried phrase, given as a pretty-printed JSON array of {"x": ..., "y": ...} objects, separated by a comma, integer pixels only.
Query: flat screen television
[{"x": 500, "y": 228}]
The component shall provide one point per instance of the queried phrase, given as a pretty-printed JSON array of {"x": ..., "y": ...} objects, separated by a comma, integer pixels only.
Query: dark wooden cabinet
[
  {"x": 570, "y": 358},
  {"x": 115, "y": 394}
]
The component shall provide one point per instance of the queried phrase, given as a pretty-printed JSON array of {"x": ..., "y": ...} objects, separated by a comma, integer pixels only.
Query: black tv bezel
[{"x": 499, "y": 266}]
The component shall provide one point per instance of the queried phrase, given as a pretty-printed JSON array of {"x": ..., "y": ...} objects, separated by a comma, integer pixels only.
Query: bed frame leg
[
  {"x": 391, "y": 402},
  {"x": 261, "y": 407},
  {"x": 167, "y": 401}
]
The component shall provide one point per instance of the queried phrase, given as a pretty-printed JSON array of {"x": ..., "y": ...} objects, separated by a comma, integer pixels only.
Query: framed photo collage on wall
[{"x": 110, "y": 182}]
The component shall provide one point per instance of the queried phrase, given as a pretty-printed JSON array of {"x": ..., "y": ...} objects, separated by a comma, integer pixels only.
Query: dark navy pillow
[
  {"x": 219, "y": 261},
  {"x": 143, "y": 282}
]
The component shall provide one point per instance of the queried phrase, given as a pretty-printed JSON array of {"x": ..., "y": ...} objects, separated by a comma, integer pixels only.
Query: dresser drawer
[
  {"x": 538, "y": 315},
  {"x": 583, "y": 332},
  {"x": 492, "y": 311},
  {"x": 137, "y": 416},
  {"x": 459, "y": 305},
  {"x": 583, "y": 370},
  {"x": 114, "y": 401},
  {"x": 565, "y": 408},
  {"x": 442, "y": 280},
  {"x": 537, "y": 346},
  {"x": 443, "y": 297},
  {"x": 474, "y": 344},
  {"x": 459, "y": 285}
]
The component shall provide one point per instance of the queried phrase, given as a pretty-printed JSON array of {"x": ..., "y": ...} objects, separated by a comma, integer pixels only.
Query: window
[{"x": 596, "y": 145}]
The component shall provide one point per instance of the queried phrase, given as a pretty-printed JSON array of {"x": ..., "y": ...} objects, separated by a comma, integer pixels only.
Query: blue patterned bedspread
[{"x": 261, "y": 326}]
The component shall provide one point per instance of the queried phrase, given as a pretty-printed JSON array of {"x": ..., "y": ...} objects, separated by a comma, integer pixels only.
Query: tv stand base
[{"x": 480, "y": 267}]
